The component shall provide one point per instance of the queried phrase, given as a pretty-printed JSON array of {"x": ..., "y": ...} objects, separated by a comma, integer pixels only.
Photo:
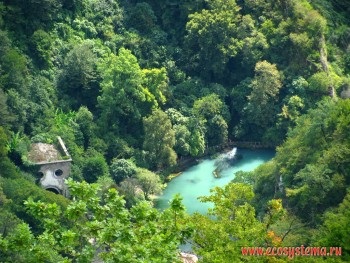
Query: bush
[
  {"x": 120, "y": 169},
  {"x": 94, "y": 167}
]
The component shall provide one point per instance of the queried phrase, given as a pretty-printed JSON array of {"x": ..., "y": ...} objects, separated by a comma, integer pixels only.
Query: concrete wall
[{"x": 54, "y": 174}]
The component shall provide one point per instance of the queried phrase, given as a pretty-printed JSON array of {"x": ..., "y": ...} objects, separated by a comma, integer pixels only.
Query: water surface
[{"x": 198, "y": 179}]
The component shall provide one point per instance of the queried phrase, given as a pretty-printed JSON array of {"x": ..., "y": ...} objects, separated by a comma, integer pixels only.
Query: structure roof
[{"x": 43, "y": 152}]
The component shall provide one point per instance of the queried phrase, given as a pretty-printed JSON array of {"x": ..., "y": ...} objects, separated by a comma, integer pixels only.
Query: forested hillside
[{"x": 136, "y": 87}]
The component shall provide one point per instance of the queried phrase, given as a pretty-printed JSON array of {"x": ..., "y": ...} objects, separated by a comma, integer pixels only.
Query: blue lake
[{"x": 199, "y": 179}]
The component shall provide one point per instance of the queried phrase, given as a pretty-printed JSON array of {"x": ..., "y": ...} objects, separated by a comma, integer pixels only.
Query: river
[{"x": 198, "y": 179}]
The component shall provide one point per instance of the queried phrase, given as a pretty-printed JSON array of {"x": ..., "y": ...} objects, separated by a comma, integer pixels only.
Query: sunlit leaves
[
  {"x": 211, "y": 36},
  {"x": 265, "y": 86},
  {"x": 128, "y": 92},
  {"x": 159, "y": 140},
  {"x": 214, "y": 114},
  {"x": 233, "y": 224},
  {"x": 122, "y": 91},
  {"x": 156, "y": 82},
  {"x": 102, "y": 227}
]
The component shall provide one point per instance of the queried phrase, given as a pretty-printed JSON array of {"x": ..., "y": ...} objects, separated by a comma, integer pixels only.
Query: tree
[
  {"x": 106, "y": 17},
  {"x": 7, "y": 168},
  {"x": 217, "y": 132},
  {"x": 149, "y": 182},
  {"x": 94, "y": 167},
  {"x": 14, "y": 82},
  {"x": 234, "y": 223},
  {"x": 265, "y": 86},
  {"x": 214, "y": 112},
  {"x": 142, "y": 18},
  {"x": 96, "y": 227},
  {"x": 189, "y": 133},
  {"x": 182, "y": 138},
  {"x": 41, "y": 43},
  {"x": 78, "y": 81},
  {"x": 334, "y": 231},
  {"x": 197, "y": 137},
  {"x": 5, "y": 116},
  {"x": 125, "y": 98},
  {"x": 129, "y": 188},
  {"x": 156, "y": 82},
  {"x": 34, "y": 15},
  {"x": 121, "y": 169},
  {"x": 85, "y": 119},
  {"x": 159, "y": 140},
  {"x": 211, "y": 36},
  {"x": 291, "y": 111},
  {"x": 311, "y": 165}
]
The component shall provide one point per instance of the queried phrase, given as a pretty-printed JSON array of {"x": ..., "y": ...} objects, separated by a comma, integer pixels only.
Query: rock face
[
  {"x": 54, "y": 165},
  {"x": 188, "y": 258}
]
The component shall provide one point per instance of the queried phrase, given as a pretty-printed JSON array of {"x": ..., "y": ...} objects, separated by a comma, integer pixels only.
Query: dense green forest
[{"x": 136, "y": 87}]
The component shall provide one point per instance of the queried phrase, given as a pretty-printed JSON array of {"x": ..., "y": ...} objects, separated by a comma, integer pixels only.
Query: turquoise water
[{"x": 198, "y": 180}]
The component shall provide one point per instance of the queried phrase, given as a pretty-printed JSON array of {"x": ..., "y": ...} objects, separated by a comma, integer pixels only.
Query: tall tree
[
  {"x": 214, "y": 112},
  {"x": 265, "y": 86},
  {"x": 149, "y": 182},
  {"x": 78, "y": 81},
  {"x": 5, "y": 117},
  {"x": 211, "y": 37},
  {"x": 159, "y": 140},
  {"x": 122, "y": 92},
  {"x": 128, "y": 92}
]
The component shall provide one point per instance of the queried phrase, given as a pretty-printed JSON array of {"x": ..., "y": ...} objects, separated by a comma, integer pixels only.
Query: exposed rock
[{"x": 188, "y": 258}]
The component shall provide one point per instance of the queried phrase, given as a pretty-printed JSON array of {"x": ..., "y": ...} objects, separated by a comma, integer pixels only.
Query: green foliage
[
  {"x": 156, "y": 82},
  {"x": 101, "y": 74},
  {"x": 98, "y": 227},
  {"x": 93, "y": 167},
  {"x": 197, "y": 140},
  {"x": 149, "y": 182},
  {"x": 159, "y": 140},
  {"x": 17, "y": 189},
  {"x": 41, "y": 44},
  {"x": 41, "y": 102},
  {"x": 129, "y": 189},
  {"x": 142, "y": 18},
  {"x": 84, "y": 118},
  {"x": 121, "y": 169},
  {"x": 334, "y": 230},
  {"x": 189, "y": 133},
  {"x": 122, "y": 92},
  {"x": 214, "y": 113},
  {"x": 235, "y": 224},
  {"x": 261, "y": 106},
  {"x": 312, "y": 163},
  {"x": 319, "y": 83},
  {"x": 210, "y": 38},
  {"x": 18, "y": 147},
  {"x": 182, "y": 139},
  {"x": 79, "y": 77},
  {"x": 5, "y": 117},
  {"x": 7, "y": 168},
  {"x": 292, "y": 110}
]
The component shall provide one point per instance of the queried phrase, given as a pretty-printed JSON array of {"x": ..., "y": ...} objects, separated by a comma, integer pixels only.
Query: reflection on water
[{"x": 199, "y": 179}]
